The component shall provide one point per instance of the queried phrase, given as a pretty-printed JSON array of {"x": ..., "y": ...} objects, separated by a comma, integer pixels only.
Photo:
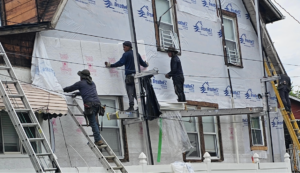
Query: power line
[{"x": 287, "y": 12}]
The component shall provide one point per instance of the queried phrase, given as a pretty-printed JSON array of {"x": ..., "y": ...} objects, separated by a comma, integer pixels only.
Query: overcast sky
[{"x": 286, "y": 37}]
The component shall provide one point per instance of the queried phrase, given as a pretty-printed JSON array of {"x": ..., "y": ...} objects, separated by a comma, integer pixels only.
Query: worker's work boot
[
  {"x": 130, "y": 109},
  {"x": 99, "y": 143}
]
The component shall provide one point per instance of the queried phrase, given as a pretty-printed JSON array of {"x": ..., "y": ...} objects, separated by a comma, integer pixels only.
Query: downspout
[
  {"x": 265, "y": 96},
  {"x": 233, "y": 119}
]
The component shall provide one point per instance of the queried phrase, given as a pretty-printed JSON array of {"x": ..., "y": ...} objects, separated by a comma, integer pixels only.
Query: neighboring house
[{"x": 62, "y": 37}]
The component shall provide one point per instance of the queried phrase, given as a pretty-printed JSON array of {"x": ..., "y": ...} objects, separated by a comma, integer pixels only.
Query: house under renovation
[{"x": 231, "y": 114}]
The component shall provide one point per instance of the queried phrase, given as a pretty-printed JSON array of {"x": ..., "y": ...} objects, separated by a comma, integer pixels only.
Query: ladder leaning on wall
[
  {"x": 289, "y": 118},
  {"x": 105, "y": 160},
  {"x": 25, "y": 122}
]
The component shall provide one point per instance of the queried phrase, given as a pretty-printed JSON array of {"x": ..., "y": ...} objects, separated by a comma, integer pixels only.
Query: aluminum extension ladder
[
  {"x": 98, "y": 150},
  {"x": 290, "y": 121},
  {"x": 36, "y": 146}
]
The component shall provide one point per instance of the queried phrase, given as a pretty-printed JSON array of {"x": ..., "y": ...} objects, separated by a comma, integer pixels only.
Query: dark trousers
[
  {"x": 178, "y": 82},
  {"x": 130, "y": 88},
  {"x": 93, "y": 122},
  {"x": 284, "y": 94}
]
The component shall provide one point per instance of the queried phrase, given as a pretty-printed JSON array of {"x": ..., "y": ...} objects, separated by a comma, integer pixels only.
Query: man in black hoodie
[
  {"x": 88, "y": 92},
  {"x": 176, "y": 73},
  {"x": 284, "y": 88}
]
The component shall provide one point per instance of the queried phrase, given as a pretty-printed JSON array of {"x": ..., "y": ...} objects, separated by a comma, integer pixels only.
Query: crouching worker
[
  {"x": 128, "y": 60},
  {"x": 176, "y": 74},
  {"x": 88, "y": 92},
  {"x": 284, "y": 89}
]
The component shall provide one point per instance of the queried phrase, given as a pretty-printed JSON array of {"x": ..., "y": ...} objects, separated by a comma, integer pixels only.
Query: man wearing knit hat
[
  {"x": 88, "y": 92},
  {"x": 128, "y": 60}
]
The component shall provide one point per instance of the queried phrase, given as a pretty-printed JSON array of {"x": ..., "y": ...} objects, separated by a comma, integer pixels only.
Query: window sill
[
  {"x": 233, "y": 65},
  {"x": 264, "y": 148},
  {"x": 10, "y": 155}
]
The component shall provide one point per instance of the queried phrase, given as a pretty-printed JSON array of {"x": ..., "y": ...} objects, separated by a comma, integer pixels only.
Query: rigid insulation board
[{"x": 78, "y": 41}]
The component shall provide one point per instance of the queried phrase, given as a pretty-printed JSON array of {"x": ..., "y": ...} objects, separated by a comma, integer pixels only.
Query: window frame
[
  {"x": 263, "y": 131},
  {"x": 175, "y": 25},
  {"x": 202, "y": 143},
  {"x": 10, "y": 153},
  {"x": 122, "y": 128},
  {"x": 231, "y": 16}
]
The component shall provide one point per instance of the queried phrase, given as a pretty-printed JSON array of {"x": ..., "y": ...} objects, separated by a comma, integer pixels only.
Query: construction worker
[
  {"x": 128, "y": 60},
  {"x": 176, "y": 73},
  {"x": 284, "y": 88},
  {"x": 88, "y": 92}
]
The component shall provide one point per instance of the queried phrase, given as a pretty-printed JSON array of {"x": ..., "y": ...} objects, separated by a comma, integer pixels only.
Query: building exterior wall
[{"x": 202, "y": 56}]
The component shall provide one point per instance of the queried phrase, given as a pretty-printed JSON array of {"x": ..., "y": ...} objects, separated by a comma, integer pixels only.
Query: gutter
[{"x": 274, "y": 9}]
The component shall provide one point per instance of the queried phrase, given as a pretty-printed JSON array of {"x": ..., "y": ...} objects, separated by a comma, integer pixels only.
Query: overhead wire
[{"x": 287, "y": 12}]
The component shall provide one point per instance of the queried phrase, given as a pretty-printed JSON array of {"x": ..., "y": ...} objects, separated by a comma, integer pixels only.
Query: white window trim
[
  {"x": 216, "y": 133},
  {"x": 118, "y": 121},
  {"x": 235, "y": 36},
  {"x": 199, "y": 141},
  {"x": 261, "y": 130}
]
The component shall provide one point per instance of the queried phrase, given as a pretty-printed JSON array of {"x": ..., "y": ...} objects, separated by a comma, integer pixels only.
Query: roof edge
[{"x": 275, "y": 10}]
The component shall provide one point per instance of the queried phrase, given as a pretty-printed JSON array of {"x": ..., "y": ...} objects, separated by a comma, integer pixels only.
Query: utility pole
[{"x": 140, "y": 94}]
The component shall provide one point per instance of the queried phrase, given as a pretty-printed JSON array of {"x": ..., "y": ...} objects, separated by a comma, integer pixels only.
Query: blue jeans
[{"x": 94, "y": 124}]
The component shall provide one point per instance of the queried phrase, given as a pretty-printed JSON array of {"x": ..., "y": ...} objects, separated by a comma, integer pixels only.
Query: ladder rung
[
  {"x": 9, "y": 82},
  {"x": 102, "y": 146},
  {"x": 35, "y": 139},
  {"x": 15, "y": 95},
  {"x": 50, "y": 169},
  {"x": 78, "y": 115},
  {"x": 294, "y": 120},
  {"x": 84, "y": 125},
  {"x": 296, "y": 129},
  {"x": 4, "y": 68},
  {"x": 43, "y": 154},
  {"x": 109, "y": 157},
  {"x": 118, "y": 168},
  {"x": 29, "y": 124},
  {"x": 72, "y": 104},
  {"x": 22, "y": 110}
]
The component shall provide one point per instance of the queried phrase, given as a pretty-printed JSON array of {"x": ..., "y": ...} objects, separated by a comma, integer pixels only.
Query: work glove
[
  {"x": 167, "y": 76},
  {"x": 107, "y": 64},
  {"x": 147, "y": 63}
]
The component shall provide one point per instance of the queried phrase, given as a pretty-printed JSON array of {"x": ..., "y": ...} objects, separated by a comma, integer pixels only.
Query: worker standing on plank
[
  {"x": 128, "y": 60},
  {"x": 88, "y": 92},
  {"x": 176, "y": 73},
  {"x": 284, "y": 89}
]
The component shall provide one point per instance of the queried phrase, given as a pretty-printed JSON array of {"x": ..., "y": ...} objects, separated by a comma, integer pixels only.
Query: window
[
  {"x": 231, "y": 40},
  {"x": 257, "y": 133},
  {"x": 210, "y": 131},
  {"x": 165, "y": 23},
  {"x": 113, "y": 131},
  {"x": 9, "y": 139},
  {"x": 204, "y": 135},
  {"x": 192, "y": 130}
]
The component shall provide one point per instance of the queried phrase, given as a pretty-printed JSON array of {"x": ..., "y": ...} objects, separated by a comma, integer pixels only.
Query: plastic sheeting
[
  {"x": 181, "y": 167},
  {"x": 174, "y": 134},
  {"x": 42, "y": 73}
]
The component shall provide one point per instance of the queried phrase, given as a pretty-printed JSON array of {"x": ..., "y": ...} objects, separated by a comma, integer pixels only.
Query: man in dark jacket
[
  {"x": 88, "y": 92},
  {"x": 128, "y": 60},
  {"x": 176, "y": 73},
  {"x": 284, "y": 88}
]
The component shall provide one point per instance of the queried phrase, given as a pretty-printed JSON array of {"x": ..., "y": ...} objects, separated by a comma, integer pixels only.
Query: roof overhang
[
  {"x": 24, "y": 28},
  {"x": 270, "y": 13},
  {"x": 294, "y": 98}
]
